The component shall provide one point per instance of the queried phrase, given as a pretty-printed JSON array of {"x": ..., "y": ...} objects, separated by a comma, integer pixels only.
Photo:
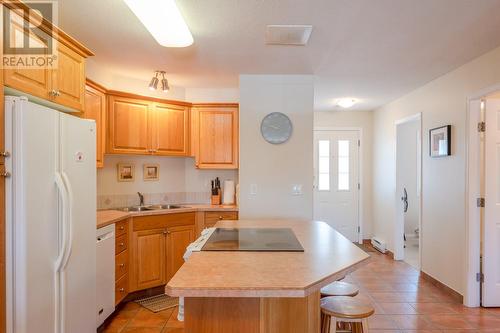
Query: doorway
[
  {"x": 337, "y": 180},
  {"x": 408, "y": 190}
]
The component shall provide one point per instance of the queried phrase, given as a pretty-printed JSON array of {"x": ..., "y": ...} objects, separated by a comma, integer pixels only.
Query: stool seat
[
  {"x": 345, "y": 307},
  {"x": 339, "y": 288}
]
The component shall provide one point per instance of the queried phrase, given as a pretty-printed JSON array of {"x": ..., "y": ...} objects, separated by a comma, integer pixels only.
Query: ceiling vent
[{"x": 288, "y": 34}]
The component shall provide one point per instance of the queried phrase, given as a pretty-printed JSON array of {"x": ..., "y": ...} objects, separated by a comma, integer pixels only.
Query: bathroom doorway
[{"x": 408, "y": 195}]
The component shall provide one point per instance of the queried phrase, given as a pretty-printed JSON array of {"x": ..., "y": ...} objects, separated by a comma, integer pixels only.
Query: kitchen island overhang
[{"x": 228, "y": 289}]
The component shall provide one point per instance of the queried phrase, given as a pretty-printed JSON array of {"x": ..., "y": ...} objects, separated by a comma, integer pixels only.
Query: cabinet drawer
[
  {"x": 213, "y": 217},
  {"x": 121, "y": 244},
  {"x": 121, "y": 228},
  {"x": 121, "y": 289},
  {"x": 121, "y": 265}
]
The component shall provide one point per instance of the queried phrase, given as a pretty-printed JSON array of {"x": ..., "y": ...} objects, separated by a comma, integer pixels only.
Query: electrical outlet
[{"x": 297, "y": 189}]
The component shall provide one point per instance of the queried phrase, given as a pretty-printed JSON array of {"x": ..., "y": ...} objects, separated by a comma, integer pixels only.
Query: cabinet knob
[
  {"x": 221, "y": 218},
  {"x": 122, "y": 290},
  {"x": 122, "y": 227},
  {"x": 122, "y": 244},
  {"x": 4, "y": 153},
  {"x": 5, "y": 174},
  {"x": 52, "y": 92},
  {"x": 122, "y": 265},
  {"x": 165, "y": 232}
]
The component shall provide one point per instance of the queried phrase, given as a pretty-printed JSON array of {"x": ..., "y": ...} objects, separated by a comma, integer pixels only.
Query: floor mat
[{"x": 158, "y": 303}]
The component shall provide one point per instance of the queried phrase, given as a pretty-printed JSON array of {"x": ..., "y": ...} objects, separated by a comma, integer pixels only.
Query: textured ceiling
[{"x": 374, "y": 50}]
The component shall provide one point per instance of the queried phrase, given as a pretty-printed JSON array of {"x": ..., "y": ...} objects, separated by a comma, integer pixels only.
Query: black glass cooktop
[{"x": 253, "y": 239}]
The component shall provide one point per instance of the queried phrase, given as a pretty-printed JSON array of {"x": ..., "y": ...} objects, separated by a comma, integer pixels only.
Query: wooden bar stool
[
  {"x": 339, "y": 288},
  {"x": 344, "y": 309}
]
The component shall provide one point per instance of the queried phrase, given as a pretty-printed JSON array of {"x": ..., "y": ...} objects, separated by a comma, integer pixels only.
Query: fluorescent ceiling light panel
[
  {"x": 346, "y": 102},
  {"x": 163, "y": 20}
]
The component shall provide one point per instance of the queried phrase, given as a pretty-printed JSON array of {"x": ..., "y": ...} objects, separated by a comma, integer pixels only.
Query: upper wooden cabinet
[
  {"x": 128, "y": 126},
  {"x": 215, "y": 141},
  {"x": 63, "y": 84},
  {"x": 170, "y": 129},
  {"x": 95, "y": 108},
  {"x": 68, "y": 80},
  {"x": 142, "y": 126}
]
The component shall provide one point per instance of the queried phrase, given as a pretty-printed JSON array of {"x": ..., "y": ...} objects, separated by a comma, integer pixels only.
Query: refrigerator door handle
[{"x": 62, "y": 260}]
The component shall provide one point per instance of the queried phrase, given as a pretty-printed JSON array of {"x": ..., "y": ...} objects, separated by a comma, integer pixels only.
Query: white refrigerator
[{"x": 51, "y": 220}]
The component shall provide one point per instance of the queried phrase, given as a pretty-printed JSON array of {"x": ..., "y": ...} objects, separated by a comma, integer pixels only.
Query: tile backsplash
[{"x": 127, "y": 200}]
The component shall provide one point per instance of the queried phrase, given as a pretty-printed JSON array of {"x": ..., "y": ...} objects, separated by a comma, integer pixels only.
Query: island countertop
[{"x": 327, "y": 257}]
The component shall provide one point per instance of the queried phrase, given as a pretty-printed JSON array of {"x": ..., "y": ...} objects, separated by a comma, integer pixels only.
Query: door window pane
[
  {"x": 324, "y": 165},
  {"x": 343, "y": 166}
]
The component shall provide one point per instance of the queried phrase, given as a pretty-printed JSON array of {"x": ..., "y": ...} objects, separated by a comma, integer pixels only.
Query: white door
[
  {"x": 491, "y": 239},
  {"x": 336, "y": 174}
]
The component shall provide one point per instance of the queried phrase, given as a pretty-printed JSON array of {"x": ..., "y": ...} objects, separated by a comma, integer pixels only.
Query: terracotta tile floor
[{"x": 402, "y": 302}]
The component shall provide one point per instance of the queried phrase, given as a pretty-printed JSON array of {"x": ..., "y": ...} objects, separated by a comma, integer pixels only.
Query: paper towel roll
[{"x": 228, "y": 192}]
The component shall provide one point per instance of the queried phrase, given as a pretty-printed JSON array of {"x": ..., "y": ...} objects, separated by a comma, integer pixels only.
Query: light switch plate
[{"x": 253, "y": 189}]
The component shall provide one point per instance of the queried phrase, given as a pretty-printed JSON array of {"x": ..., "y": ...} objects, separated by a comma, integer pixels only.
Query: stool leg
[
  {"x": 364, "y": 324},
  {"x": 333, "y": 325}
]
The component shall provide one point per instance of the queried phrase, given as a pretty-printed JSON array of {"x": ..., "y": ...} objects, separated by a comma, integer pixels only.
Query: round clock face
[{"x": 276, "y": 128}]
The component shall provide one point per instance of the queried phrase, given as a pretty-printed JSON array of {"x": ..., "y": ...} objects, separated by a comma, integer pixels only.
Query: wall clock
[{"x": 276, "y": 128}]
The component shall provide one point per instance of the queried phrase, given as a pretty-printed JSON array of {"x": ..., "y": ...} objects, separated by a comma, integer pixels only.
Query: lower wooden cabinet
[
  {"x": 159, "y": 243},
  {"x": 211, "y": 218},
  {"x": 178, "y": 238},
  {"x": 149, "y": 258}
]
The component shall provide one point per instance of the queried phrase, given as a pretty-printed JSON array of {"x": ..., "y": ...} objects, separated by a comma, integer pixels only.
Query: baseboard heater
[{"x": 379, "y": 245}]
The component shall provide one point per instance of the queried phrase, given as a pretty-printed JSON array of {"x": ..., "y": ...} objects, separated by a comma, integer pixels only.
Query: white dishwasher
[{"x": 105, "y": 279}]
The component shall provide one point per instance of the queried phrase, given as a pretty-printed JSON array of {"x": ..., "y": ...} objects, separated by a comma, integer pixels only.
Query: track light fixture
[{"x": 153, "y": 85}]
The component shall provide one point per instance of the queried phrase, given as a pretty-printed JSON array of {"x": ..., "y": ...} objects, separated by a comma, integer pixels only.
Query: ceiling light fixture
[
  {"x": 164, "y": 83},
  {"x": 346, "y": 102},
  {"x": 163, "y": 20},
  {"x": 153, "y": 84}
]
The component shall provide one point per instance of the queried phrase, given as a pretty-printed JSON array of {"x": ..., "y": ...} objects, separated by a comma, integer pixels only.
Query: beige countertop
[
  {"x": 327, "y": 256},
  {"x": 106, "y": 217}
]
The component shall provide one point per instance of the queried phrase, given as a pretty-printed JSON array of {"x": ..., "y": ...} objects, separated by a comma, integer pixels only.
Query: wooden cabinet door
[
  {"x": 217, "y": 146},
  {"x": 95, "y": 108},
  {"x": 170, "y": 129},
  {"x": 149, "y": 258},
  {"x": 69, "y": 78},
  {"x": 129, "y": 126},
  {"x": 178, "y": 238},
  {"x": 36, "y": 82}
]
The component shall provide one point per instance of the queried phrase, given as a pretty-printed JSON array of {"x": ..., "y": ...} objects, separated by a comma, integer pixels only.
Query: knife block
[{"x": 215, "y": 199}]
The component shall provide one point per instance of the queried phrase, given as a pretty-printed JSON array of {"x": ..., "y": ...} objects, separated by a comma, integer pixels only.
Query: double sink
[{"x": 150, "y": 207}]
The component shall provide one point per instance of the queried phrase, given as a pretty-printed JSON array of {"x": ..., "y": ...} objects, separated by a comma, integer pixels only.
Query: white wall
[
  {"x": 210, "y": 95},
  {"x": 139, "y": 86},
  {"x": 442, "y": 102},
  {"x": 275, "y": 168},
  {"x": 177, "y": 174},
  {"x": 363, "y": 120}
]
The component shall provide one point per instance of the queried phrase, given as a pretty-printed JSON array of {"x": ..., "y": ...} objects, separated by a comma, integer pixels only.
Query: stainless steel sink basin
[
  {"x": 137, "y": 209},
  {"x": 165, "y": 207},
  {"x": 149, "y": 208}
]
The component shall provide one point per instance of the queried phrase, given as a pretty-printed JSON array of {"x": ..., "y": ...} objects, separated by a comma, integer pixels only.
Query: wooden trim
[
  {"x": 147, "y": 98},
  {"x": 50, "y": 28},
  {"x": 454, "y": 294},
  {"x": 390, "y": 254},
  {"x": 95, "y": 85},
  {"x": 215, "y": 105}
]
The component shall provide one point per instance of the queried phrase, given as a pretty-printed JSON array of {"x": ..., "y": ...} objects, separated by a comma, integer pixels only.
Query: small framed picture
[
  {"x": 125, "y": 172},
  {"x": 151, "y": 171},
  {"x": 440, "y": 141}
]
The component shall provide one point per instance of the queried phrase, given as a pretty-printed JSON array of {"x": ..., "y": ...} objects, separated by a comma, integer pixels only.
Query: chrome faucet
[{"x": 141, "y": 198}]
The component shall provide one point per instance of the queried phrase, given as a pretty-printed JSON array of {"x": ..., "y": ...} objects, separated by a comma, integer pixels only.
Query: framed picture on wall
[
  {"x": 440, "y": 141},
  {"x": 125, "y": 172},
  {"x": 151, "y": 172}
]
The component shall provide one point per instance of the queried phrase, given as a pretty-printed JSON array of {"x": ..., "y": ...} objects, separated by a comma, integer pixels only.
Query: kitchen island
[{"x": 264, "y": 292}]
